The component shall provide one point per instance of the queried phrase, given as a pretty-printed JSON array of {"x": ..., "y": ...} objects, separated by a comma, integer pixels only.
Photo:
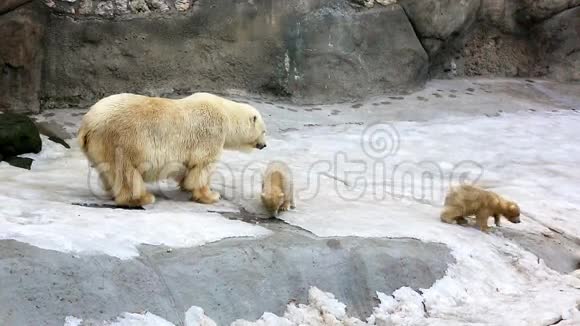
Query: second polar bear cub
[
  {"x": 466, "y": 200},
  {"x": 132, "y": 139},
  {"x": 277, "y": 189}
]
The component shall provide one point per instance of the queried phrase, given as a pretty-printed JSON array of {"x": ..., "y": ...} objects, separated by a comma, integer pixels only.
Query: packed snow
[
  {"x": 404, "y": 307},
  {"x": 369, "y": 180},
  {"x": 39, "y": 207}
]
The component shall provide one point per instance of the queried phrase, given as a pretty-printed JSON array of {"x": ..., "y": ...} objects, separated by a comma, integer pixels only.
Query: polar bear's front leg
[{"x": 197, "y": 181}]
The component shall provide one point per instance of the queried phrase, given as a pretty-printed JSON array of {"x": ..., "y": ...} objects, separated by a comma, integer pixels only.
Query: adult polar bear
[{"x": 132, "y": 139}]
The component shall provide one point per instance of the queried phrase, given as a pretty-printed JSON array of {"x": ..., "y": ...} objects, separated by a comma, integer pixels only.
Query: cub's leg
[
  {"x": 197, "y": 181},
  {"x": 285, "y": 205},
  {"x": 496, "y": 218},
  {"x": 481, "y": 220}
]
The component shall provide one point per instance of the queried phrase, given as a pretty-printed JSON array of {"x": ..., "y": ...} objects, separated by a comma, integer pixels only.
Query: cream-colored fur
[
  {"x": 132, "y": 139},
  {"x": 277, "y": 189},
  {"x": 466, "y": 200}
]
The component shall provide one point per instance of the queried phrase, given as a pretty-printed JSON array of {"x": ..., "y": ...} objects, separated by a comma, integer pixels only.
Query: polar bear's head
[{"x": 248, "y": 130}]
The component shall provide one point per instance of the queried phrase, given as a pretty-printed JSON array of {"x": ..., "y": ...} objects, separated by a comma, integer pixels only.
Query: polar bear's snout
[{"x": 260, "y": 145}]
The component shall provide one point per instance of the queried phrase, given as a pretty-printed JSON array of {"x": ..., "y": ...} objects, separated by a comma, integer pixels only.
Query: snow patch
[{"x": 38, "y": 208}]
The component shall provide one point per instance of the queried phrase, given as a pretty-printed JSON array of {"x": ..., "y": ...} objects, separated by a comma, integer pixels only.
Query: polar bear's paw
[
  {"x": 205, "y": 196},
  {"x": 126, "y": 201}
]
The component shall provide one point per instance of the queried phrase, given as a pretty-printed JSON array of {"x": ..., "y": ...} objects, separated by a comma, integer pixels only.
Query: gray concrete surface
[{"x": 230, "y": 279}]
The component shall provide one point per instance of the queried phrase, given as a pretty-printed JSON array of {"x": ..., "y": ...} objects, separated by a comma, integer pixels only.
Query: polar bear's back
[{"x": 155, "y": 130}]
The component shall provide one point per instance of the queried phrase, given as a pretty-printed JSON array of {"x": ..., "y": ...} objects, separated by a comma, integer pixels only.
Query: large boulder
[
  {"x": 269, "y": 47},
  {"x": 18, "y": 135},
  {"x": 558, "y": 40},
  {"x": 532, "y": 11},
  {"x": 517, "y": 16},
  {"x": 21, "y": 52},
  {"x": 9, "y": 5},
  {"x": 436, "y": 21},
  {"x": 336, "y": 56}
]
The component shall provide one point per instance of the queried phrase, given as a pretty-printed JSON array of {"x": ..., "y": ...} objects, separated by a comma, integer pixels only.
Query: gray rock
[
  {"x": 440, "y": 19},
  {"x": 85, "y": 7},
  {"x": 8, "y": 5},
  {"x": 20, "y": 162},
  {"x": 52, "y": 129},
  {"x": 230, "y": 279},
  {"x": 105, "y": 8},
  {"x": 500, "y": 14},
  {"x": 221, "y": 47},
  {"x": 157, "y": 5},
  {"x": 531, "y": 11},
  {"x": 338, "y": 56},
  {"x": 21, "y": 54},
  {"x": 386, "y": 2},
  {"x": 490, "y": 52},
  {"x": 18, "y": 135},
  {"x": 138, "y": 6},
  {"x": 558, "y": 39},
  {"x": 122, "y": 7},
  {"x": 182, "y": 5},
  {"x": 363, "y": 3}
]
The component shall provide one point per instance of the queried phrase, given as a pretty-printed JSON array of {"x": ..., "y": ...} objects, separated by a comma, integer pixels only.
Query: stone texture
[
  {"x": 386, "y": 2},
  {"x": 105, "y": 8},
  {"x": 491, "y": 52},
  {"x": 182, "y": 5},
  {"x": 9, "y": 5},
  {"x": 436, "y": 21},
  {"x": 157, "y": 5},
  {"x": 138, "y": 6},
  {"x": 121, "y": 7},
  {"x": 517, "y": 16},
  {"x": 42, "y": 287},
  {"x": 21, "y": 32},
  {"x": 278, "y": 47},
  {"x": 531, "y": 11},
  {"x": 245, "y": 46},
  {"x": 500, "y": 14},
  {"x": 335, "y": 56},
  {"x": 558, "y": 39},
  {"x": 18, "y": 135},
  {"x": 85, "y": 7}
]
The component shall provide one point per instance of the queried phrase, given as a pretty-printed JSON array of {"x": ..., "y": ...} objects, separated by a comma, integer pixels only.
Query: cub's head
[
  {"x": 248, "y": 129},
  {"x": 272, "y": 202},
  {"x": 512, "y": 212}
]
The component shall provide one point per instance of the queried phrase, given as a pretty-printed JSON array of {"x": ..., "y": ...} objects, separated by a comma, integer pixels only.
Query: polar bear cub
[
  {"x": 277, "y": 189},
  {"x": 132, "y": 139},
  {"x": 467, "y": 200}
]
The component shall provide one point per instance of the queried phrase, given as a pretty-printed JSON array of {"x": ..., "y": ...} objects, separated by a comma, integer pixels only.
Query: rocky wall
[{"x": 59, "y": 53}]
